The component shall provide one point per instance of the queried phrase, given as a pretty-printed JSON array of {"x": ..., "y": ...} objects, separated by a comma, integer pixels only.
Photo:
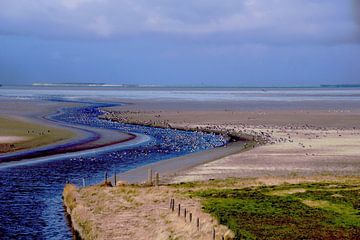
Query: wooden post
[
  {"x": 83, "y": 182},
  {"x": 179, "y": 207},
  {"x": 222, "y": 237},
  {"x": 198, "y": 223},
  {"x": 172, "y": 203},
  {"x": 213, "y": 234},
  {"x": 185, "y": 214},
  {"x": 106, "y": 176},
  {"x": 150, "y": 176},
  {"x": 115, "y": 179},
  {"x": 157, "y": 179},
  {"x": 190, "y": 217}
]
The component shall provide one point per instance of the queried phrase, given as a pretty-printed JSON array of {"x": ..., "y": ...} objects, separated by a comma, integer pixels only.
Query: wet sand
[
  {"x": 303, "y": 141},
  {"x": 35, "y": 113},
  {"x": 171, "y": 167}
]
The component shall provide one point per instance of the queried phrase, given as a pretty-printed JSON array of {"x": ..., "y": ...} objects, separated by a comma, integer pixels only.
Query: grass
[
  {"x": 80, "y": 215},
  {"x": 35, "y": 135},
  {"x": 69, "y": 196},
  {"x": 299, "y": 211}
]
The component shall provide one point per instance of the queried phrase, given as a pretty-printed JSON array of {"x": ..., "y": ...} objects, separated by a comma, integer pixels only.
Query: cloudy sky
[{"x": 180, "y": 42}]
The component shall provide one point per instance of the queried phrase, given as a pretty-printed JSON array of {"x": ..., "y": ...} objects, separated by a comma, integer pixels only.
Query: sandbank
[
  {"x": 29, "y": 118},
  {"x": 311, "y": 140}
]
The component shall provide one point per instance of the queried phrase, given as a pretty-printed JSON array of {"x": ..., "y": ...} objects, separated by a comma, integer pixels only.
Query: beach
[{"x": 299, "y": 140}]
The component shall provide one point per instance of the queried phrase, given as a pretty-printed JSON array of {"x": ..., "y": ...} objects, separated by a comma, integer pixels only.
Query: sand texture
[{"x": 298, "y": 142}]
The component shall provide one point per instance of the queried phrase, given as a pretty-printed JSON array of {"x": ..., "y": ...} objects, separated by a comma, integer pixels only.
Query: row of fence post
[
  {"x": 172, "y": 208},
  {"x": 172, "y": 200},
  {"x": 150, "y": 180},
  {"x": 105, "y": 179}
]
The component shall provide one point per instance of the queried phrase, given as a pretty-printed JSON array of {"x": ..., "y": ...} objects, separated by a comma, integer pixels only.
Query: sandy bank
[
  {"x": 299, "y": 142},
  {"x": 45, "y": 137},
  {"x": 23, "y": 133},
  {"x": 170, "y": 168}
]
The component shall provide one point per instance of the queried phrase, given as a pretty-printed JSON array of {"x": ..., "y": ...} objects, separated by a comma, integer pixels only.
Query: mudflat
[
  {"x": 18, "y": 134},
  {"x": 26, "y": 128},
  {"x": 308, "y": 140}
]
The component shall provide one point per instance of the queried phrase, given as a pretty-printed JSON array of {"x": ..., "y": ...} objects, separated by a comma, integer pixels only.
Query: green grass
[{"x": 301, "y": 211}]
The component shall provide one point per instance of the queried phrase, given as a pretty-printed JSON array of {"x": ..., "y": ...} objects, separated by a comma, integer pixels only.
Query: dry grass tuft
[
  {"x": 106, "y": 184},
  {"x": 139, "y": 212},
  {"x": 69, "y": 195}
]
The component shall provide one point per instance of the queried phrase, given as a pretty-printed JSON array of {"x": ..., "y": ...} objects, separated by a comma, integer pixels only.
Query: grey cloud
[
  {"x": 267, "y": 21},
  {"x": 356, "y": 9}
]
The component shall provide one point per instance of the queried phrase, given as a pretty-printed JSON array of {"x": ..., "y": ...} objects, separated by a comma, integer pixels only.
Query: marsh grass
[{"x": 298, "y": 211}]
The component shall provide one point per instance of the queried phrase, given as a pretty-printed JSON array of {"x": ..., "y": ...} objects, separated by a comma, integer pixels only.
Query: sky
[{"x": 181, "y": 42}]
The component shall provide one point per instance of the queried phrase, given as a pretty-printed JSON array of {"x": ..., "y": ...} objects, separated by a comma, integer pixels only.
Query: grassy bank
[
  {"x": 300, "y": 211},
  {"x": 29, "y": 135},
  {"x": 138, "y": 212},
  {"x": 312, "y": 208}
]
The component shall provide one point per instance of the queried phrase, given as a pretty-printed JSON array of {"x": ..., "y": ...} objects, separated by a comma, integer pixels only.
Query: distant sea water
[{"x": 190, "y": 94}]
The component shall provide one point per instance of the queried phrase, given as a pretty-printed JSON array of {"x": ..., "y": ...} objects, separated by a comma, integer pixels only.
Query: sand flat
[
  {"x": 304, "y": 155},
  {"x": 300, "y": 142},
  {"x": 12, "y": 139}
]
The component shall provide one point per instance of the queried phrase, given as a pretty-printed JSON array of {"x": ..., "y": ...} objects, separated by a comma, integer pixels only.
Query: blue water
[{"x": 30, "y": 195}]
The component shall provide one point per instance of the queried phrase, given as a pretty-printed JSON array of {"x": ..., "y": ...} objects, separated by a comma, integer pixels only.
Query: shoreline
[
  {"x": 232, "y": 136},
  {"x": 139, "y": 139},
  {"x": 168, "y": 168},
  {"x": 83, "y": 138}
]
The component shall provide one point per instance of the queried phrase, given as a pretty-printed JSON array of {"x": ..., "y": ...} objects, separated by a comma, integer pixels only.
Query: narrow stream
[{"x": 30, "y": 195}]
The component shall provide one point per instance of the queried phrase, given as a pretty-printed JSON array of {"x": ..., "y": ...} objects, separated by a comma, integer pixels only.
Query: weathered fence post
[
  {"x": 115, "y": 179},
  {"x": 173, "y": 205},
  {"x": 150, "y": 176},
  {"x": 157, "y": 179},
  {"x": 213, "y": 234},
  {"x": 198, "y": 223},
  {"x": 83, "y": 182},
  {"x": 106, "y": 176},
  {"x": 185, "y": 214},
  {"x": 190, "y": 217},
  {"x": 179, "y": 207}
]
